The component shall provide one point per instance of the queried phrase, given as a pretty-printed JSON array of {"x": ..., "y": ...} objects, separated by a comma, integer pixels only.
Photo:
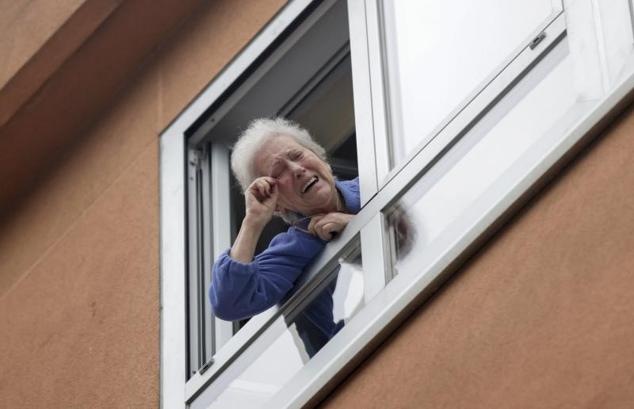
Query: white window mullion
[
  {"x": 173, "y": 260},
  {"x": 207, "y": 226},
  {"x": 363, "y": 113},
  {"x": 194, "y": 240},
  {"x": 378, "y": 87},
  {"x": 376, "y": 255},
  {"x": 220, "y": 194},
  {"x": 371, "y": 137}
]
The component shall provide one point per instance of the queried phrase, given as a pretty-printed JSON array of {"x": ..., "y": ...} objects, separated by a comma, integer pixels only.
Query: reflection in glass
[
  {"x": 296, "y": 338},
  {"x": 540, "y": 108},
  {"x": 440, "y": 52}
]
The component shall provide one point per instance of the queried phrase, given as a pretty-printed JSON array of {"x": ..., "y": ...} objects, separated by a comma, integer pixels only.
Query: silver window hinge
[{"x": 196, "y": 158}]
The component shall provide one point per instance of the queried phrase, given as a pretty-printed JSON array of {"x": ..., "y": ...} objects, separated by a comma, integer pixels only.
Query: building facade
[{"x": 511, "y": 124}]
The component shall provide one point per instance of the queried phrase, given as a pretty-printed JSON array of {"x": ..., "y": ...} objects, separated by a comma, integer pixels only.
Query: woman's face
[{"x": 304, "y": 180}]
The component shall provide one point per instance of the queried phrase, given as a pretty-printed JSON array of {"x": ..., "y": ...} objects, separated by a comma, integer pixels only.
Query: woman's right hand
[
  {"x": 261, "y": 200},
  {"x": 328, "y": 226}
]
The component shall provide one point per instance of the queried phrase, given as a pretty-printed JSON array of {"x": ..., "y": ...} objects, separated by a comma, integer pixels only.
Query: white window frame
[
  {"x": 380, "y": 87},
  {"x": 386, "y": 305}
]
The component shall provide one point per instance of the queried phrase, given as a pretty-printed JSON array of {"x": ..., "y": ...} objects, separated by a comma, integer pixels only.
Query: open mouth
[{"x": 310, "y": 184}]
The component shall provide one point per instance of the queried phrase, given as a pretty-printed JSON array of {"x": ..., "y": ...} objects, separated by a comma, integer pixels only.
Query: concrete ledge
[
  {"x": 19, "y": 84},
  {"x": 71, "y": 97}
]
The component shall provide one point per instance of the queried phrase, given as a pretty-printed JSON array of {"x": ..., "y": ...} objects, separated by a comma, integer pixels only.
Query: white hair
[{"x": 252, "y": 139}]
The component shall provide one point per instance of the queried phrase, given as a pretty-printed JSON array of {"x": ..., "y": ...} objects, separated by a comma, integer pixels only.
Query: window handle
[
  {"x": 535, "y": 42},
  {"x": 206, "y": 366}
]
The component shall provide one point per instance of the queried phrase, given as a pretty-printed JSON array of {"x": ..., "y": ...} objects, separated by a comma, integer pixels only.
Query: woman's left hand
[{"x": 328, "y": 226}]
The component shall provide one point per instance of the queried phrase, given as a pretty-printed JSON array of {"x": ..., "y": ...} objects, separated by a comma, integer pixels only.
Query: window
[
  {"x": 447, "y": 137},
  {"x": 316, "y": 92},
  {"x": 476, "y": 166},
  {"x": 435, "y": 58}
]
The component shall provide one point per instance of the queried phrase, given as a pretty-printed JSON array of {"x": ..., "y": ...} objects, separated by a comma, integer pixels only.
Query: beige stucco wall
[
  {"x": 36, "y": 38},
  {"x": 79, "y": 278},
  {"x": 542, "y": 317},
  {"x": 25, "y": 26}
]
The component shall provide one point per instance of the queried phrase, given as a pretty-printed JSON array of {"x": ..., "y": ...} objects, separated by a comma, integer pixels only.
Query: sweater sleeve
[{"x": 240, "y": 290}]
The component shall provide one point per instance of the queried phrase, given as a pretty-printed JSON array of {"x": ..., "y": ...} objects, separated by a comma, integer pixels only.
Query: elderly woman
[{"x": 283, "y": 172}]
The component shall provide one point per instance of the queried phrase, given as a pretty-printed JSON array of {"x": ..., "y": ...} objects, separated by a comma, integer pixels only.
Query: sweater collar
[{"x": 348, "y": 192}]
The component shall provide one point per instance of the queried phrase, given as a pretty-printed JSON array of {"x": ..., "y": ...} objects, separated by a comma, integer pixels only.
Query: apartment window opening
[{"x": 311, "y": 86}]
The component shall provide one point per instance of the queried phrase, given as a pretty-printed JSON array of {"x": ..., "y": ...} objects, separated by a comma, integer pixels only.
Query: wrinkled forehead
[{"x": 272, "y": 149}]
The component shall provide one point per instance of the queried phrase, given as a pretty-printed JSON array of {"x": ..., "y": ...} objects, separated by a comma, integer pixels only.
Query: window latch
[
  {"x": 535, "y": 42},
  {"x": 206, "y": 366}
]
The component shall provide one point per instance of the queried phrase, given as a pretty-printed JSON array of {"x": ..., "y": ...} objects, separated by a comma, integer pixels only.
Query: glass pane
[
  {"x": 294, "y": 340},
  {"x": 440, "y": 52},
  {"x": 327, "y": 110},
  {"x": 536, "y": 112}
]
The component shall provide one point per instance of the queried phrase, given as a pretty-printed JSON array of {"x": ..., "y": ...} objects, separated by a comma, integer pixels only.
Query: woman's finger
[
  {"x": 257, "y": 192},
  {"x": 265, "y": 184},
  {"x": 332, "y": 224},
  {"x": 313, "y": 222},
  {"x": 331, "y": 229},
  {"x": 269, "y": 183},
  {"x": 271, "y": 198},
  {"x": 322, "y": 234},
  {"x": 265, "y": 189},
  {"x": 321, "y": 229},
  {"x": 262, "y": 188}
]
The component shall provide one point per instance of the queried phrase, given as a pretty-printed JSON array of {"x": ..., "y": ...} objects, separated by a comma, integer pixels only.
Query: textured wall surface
[
  {"x": 542, "y": 317},
  {"x": 79, "y": 278},
  {"x": 25, "y": 25},
  {"x": 57, "y": 104},
  {"x": 37, "y": 38}
]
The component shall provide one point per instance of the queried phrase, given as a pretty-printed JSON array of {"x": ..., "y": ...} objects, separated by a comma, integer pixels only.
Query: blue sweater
[{"x": 241, "y": 290}]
